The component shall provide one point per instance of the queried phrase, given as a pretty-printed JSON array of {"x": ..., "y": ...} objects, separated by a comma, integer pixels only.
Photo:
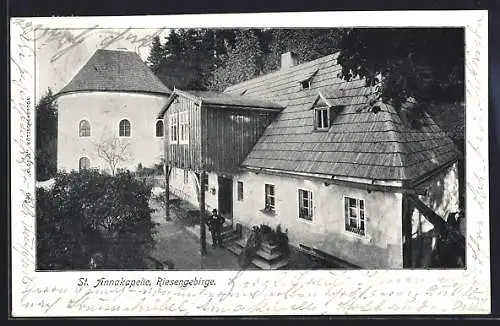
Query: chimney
[{"x": 288, "y": 59}]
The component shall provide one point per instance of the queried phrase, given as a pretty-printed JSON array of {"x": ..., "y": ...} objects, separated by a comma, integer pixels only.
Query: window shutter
[{"x": 300, "y": 202}]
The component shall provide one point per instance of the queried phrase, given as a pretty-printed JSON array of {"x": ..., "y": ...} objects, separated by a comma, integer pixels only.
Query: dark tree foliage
[
  {"x": 213, "y": 59},
  {"x": 256, "y": 52},
  {"x": 424, "y": 63},
  {"x": 307, "y": 44},
  {"x": 156, "y": 55},
  {"x": 243, "y": 61},
  {"x": 46, "y": 136},
  {"x": 89, "y": 213},
  {"x": 188, "y": 57}
]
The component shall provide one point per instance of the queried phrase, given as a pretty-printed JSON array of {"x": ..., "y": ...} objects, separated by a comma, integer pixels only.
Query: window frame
[
  {"x": 240, "y": 192},
  {"x": 119, "y": 128},
  {"x": 183, "y": 127},
  {"x": 347, "y": 217},
  {"x": 328, "y": 113},
  {"x": 173, "y": 125},
  {"x": 310, "y": 200},
  {"x": 162, "y": 128},
  {"x": 306, "y": 84},
  {"x": 80, "y": 128},
  {"x": 80, "y": 163},
  {"x": 272, "y": 208}
]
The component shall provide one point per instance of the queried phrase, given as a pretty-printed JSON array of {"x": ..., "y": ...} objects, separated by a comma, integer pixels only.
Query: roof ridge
[
  {"x": 115, "y": 50},
  {"x": 115, "y": 70},
  {"x": 395, "y": 137},
  {"x": 288, "y": 70}
]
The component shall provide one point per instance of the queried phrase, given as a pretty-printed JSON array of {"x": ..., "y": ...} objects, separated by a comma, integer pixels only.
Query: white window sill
[
  {"x": 267, "y": 212},
  {"x": 364, "y": 238},
  {"x": 305, "y": 220}
]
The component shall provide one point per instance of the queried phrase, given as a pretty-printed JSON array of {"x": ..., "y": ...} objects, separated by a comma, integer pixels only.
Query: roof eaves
[
  {"x": 172, "y": 97},
  {"x": 274, "y": 108}
]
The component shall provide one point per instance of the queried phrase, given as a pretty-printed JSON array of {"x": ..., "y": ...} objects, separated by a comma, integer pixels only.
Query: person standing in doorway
[{"x": 215, "y": 222}]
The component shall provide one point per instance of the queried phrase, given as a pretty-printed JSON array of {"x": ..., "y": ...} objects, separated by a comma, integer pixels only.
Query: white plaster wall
[
  {"x": 187, "y": 191},
  {"x": 380, "y": 248},
  {"x": 104, "y": 110},
  {"x": 442, "y": 197}
]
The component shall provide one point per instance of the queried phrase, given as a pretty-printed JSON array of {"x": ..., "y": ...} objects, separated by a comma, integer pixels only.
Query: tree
[
  {"x": 243, "y": 61},
  {"x": 46, "y": 136},
  {"x": 426, "y": 64},
  {"x": 188, "y": 57},
  {"x": 89, "y": 218},
  {"x": 258, "y": 51},
  {"x": 307, "y": 44},
  {"x": 113, "y": 151},
  {"x": 157, "y": 55}
]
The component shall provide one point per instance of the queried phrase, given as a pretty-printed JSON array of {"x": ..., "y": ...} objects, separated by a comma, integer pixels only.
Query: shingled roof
[
  {"x": 111, "y": 70},
  {"x": 360, "y": 143},
  {"x": 224, "y": 100}
]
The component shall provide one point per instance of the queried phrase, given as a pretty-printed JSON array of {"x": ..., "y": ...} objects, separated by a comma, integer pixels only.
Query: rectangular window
[
  {"x": 183, "y": 127},
  {"x": 173, "y": 128},
  {"x": 354, "y": 215},
  {"x": 321, "y": 118},
  {"x": 240, "y": 190},
  {"x": 269, "y": 198},
  {"x": 305, "y": 205},
  {"x": 186, "y": 177}
]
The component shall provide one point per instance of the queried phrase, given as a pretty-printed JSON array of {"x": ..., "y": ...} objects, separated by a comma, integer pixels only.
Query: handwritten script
[
  {"x": 277, "y": 292},
  {"x": 67, "y": 39}
]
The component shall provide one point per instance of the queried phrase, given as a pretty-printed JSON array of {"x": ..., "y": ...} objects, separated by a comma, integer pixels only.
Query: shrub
[{"x": 88, "y": 214}]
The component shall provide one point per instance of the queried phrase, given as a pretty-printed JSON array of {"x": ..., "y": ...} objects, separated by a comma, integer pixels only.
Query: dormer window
[
  {"x": 322, "y": 118},
  {"x": 305, "y": 84}
]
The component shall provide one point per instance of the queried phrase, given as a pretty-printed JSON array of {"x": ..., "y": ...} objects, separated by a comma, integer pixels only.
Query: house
[
  {"x": 322, "y": 157},
  {"x": 109, "y": 109},
  {"x": 211, "y": 133}
]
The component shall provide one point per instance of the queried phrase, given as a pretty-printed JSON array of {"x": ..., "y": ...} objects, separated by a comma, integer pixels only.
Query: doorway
[{"x": 225, "y": 197}]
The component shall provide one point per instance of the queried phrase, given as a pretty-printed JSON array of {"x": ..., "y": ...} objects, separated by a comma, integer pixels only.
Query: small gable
[
  {"x": 306, "y": 80},
  {"x": 320, "y": 101}
]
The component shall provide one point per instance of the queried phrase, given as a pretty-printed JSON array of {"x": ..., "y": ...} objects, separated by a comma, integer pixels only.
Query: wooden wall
[
  {"x": 219, "y": 138},
  {"x": 186, "y": 156},
  {"x": 229, "y": 134}
]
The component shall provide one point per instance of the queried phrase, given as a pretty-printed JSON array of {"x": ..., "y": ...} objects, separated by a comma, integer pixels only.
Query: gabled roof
[
  {"x": 110, "y": 70},
  {"x": 360, "y": 143},
  {"x": 224, "y": 100}
]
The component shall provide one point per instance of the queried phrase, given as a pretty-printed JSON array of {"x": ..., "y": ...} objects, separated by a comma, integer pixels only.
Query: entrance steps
[
  {"x": 267, "y": 257},
  {"x": 228, "y": 234}
]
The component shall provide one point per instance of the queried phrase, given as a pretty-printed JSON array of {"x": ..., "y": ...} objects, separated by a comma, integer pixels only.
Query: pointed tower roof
[{"x": 111, "y": 70}]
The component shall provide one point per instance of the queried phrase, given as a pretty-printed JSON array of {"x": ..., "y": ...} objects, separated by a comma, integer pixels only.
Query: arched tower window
[
  {"x": 84, "y": 128},
  {"x": 124, "y": 128},
  {"x": 159, "y": 128},
  {"x": 84, "y": 163}
]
